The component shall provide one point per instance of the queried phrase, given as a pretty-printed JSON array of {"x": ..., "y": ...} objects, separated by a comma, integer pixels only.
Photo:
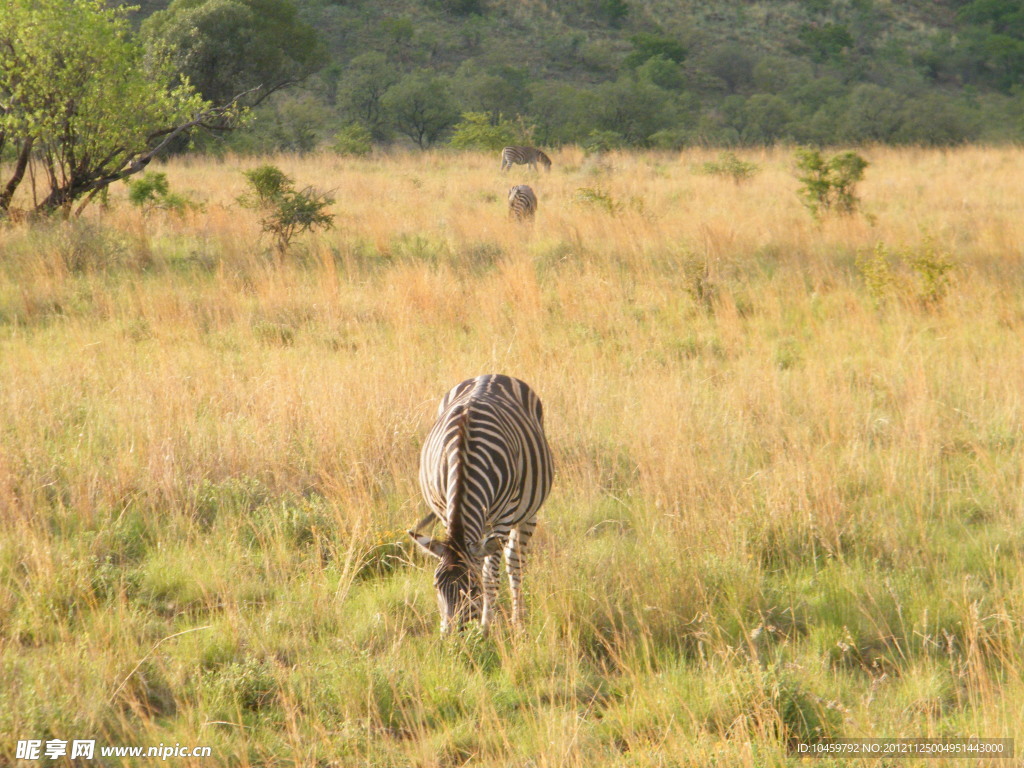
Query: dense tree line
[{"x": 603, "y": 73}]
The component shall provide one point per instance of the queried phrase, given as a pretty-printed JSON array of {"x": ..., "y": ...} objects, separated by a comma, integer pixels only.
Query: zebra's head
[{"x": 457, "y": 580}]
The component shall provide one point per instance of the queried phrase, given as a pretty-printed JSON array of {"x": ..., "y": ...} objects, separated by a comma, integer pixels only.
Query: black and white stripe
[
  {"x": 522, "y": 202},
  {"x": 524, "y": 156},
  {"x": 485, "y": 470}
]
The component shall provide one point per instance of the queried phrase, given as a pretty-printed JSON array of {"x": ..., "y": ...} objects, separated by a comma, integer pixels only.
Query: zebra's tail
[{"x": 457, "y": 456}]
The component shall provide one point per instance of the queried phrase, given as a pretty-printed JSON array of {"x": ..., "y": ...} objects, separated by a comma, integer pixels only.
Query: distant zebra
[
  {"x": 524, "y": 156},
  {"x": 522, "y": 202},
  {"x": 485, "y": 470}
]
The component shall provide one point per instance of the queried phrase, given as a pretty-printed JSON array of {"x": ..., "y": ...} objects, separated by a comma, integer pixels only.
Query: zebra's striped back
[
  {"x": 485, "y": 470},
  {"x": 524, "y": 156},
  {"x": 522, "y": 202}
]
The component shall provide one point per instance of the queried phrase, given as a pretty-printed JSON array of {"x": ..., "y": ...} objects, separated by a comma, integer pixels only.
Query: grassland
[{"x": 789, "y": 458}]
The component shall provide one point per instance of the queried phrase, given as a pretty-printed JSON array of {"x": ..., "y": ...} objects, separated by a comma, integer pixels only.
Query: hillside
[{"x": 668, "y": 74}]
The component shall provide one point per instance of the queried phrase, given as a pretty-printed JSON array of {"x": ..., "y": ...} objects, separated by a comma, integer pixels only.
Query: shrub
[
  {"x": 830, "y": 184},
  {"x": 266, "y": 184},
  {"x": 924, "y": 276},
  {"x": 476, "y": 131},
  {"x": 932, "y": 270},
  {"x": 602, "y": 141},
  {"x": 354, "y": 140},
  {"x": 730, "y": 165},
  {"x": 151, "y": 191},
  {"x": 286, "y": 211},
  {"x": 596, "y": 197}
]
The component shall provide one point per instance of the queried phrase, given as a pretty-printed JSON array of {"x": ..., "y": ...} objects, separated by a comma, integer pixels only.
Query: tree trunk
[{"x": 19, "y": 173}]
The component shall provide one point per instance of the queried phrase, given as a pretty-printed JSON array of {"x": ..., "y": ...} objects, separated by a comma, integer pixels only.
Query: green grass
[{"x": 783, "y": 510}]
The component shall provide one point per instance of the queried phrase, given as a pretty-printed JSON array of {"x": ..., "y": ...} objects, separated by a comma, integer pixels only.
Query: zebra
[
  {"x": 524, "y": 156},
  {"x": 522, "y": 202},
  {"x": 485, "y": 470}
]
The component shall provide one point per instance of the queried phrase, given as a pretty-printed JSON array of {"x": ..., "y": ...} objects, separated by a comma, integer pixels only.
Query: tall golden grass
[{"x": 788, "y": 495}]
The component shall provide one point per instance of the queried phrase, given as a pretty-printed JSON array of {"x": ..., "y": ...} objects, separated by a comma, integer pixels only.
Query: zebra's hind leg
[
  {"x": 490, "y": 589},
  {"x": 515, "y": 555}
]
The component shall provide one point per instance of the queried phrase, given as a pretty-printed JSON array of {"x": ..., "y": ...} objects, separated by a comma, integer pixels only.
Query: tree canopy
[
  {"x": 422, "y": 107},
  {"x": 229, "y": 47},
  {"x": 82, "y": 98}
]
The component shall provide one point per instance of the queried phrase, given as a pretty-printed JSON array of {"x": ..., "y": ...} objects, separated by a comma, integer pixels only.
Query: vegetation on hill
[{"x": 659, "y": 74}]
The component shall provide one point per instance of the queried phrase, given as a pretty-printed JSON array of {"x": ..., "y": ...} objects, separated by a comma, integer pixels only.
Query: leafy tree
[
  {"x": 732, "y": 64},
  {"x": 498, "y": 91},
  {"x": 83, "y": 99},
  {"x": 361, "y": 91},
  {"x": 1004, "y": 17},
  {"x": 994, "y": 40},
  {"x": 559, "y": 111},
  {"x": 766, "y": 118},
  {"x": 475, "y": 131},
  {"x": 229, "y": 47},
  {"x": 936, "y": 120},
  {"x": 662, "y": 72},
  {"x": 646, "y": 45},
  {"x": 775, "y": 74},
  {"x": 397, "y": 35},
  {"x": 287, "y": 122},
  {"x": 825, "y": 41},
  {"x": 632, "y": 109},
  {"x": 871, "y": 114},
  {"x": 612, "y": 12},
  {"x": 421, "y": 107}
]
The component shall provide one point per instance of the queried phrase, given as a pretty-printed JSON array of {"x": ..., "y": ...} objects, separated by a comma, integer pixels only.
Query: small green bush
[
  {"x": 602, "y": 141},
  {"x": 353, "y": 140},
  {"x": 730, "y": 165},
  {"x": 596, "y": 197},
  {"x": 933, "y": 273},
  {"x": 477, "y": 131},
  {"x": 152, "y": 192},
  {"x": 876, "y": 271},
  {"x": 829, "y": 184},
  {"x": 923, "y": 277},
  {"x": 286, "y": 211},
  {"x": 266, "y": 184}
]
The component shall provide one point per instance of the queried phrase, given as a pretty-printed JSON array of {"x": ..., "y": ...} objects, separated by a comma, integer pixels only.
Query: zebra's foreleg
[
  {"x": 515, "y": 555},
  {"x": 490, "y": 589}
]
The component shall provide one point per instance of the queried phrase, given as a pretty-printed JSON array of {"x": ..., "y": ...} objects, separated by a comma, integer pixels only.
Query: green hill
[{"x": 664, "y": 73}]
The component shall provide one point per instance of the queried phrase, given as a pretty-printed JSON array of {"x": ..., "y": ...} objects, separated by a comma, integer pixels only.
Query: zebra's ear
[{"x": 428, "y": 545}]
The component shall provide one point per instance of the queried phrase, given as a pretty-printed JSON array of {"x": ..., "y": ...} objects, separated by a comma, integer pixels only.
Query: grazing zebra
[
  {"x": 524, "y": 156},
  {"x": 522, "y": 202},
  {"x": 485, "y": 469}
]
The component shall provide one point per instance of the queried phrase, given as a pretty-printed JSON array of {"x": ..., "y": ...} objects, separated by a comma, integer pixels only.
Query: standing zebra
[
  {"x": 524, "y": 156},
  {"x": 522, "y": 202},
  {"x": 485, "y": 469}
]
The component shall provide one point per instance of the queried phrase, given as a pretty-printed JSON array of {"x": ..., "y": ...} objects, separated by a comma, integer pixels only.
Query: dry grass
[{"x": 787, "y": 503}]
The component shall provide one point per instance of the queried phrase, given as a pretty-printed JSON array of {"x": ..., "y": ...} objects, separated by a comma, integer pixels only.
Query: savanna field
[{"x": 789, "y": 455}]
